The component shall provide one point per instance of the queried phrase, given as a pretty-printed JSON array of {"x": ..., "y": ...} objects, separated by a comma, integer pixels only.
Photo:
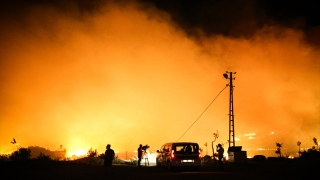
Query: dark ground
[{"x": 71, "y": 170}]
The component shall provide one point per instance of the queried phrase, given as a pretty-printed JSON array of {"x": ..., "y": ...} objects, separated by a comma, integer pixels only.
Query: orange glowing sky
[{"x": 127, "y": 76}]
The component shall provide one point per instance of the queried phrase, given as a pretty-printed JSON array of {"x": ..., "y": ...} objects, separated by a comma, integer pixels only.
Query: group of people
[{"x": 109, "y": 156}]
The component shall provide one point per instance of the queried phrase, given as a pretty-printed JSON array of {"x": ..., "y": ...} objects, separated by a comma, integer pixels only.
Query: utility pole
[{"x": 228, "y": 75}]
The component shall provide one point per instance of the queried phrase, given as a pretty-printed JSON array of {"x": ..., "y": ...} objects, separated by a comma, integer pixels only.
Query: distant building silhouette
[{"x": 59, "y": 153}]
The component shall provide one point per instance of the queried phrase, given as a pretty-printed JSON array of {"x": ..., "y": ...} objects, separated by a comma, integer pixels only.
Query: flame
[{"x": 77, "y": 153}]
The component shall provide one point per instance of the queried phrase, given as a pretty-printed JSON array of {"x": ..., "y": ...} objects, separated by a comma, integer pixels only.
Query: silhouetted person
[
  {"x": 140, "y": 151},
  {"x": 108, "y": 157},
  {"x": 220, "y": 154}
]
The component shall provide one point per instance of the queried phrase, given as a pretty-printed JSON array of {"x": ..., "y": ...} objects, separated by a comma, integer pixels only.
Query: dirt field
[{"x": 71, "y": 170}]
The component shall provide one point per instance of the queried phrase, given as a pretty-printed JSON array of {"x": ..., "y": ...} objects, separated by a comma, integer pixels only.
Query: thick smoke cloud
[
  {"x": 242, "y": 19},
  {"x": 84, "y": 74}
]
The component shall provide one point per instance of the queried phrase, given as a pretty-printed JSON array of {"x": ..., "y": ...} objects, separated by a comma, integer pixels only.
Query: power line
[{"x": 203, "y": 112}]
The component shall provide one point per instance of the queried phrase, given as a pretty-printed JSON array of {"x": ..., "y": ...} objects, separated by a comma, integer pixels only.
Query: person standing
[
  {"x": 139, "y": 155},
  {"x": 220, "y": 154},
  {"x": 108, "y": 157}
]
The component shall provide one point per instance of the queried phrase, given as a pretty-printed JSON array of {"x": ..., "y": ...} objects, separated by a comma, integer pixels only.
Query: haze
[{"x": 127, "y": 75}]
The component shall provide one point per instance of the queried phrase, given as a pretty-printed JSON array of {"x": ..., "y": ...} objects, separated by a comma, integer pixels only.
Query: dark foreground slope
[{"x": 72, "y": 170}]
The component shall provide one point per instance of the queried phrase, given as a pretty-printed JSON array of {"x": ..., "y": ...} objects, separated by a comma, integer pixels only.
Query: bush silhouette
[
  {"x": 4, "y": 157},
  {"x": 206, "y": 159},
  {"x": 21, "y": 154},
  {"x": 101, "y": 156},
  {"x": 43, "y": 157},
  {"x": 311, "y": 154},
  {"x": 92, "y": 153}
]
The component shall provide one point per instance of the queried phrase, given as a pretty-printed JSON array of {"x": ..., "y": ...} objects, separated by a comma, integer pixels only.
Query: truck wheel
[
  {"x": 197, "y": 168},
  {"x": 170, "y": 168}
]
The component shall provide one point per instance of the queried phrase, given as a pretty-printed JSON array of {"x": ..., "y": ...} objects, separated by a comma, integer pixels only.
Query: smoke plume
[{"x": 86, "y": 74}]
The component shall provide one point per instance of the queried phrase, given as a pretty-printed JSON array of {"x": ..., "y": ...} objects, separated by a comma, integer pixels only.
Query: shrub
[
  {"x": 92, "y": 153},
  {"x": 21, "y": 154},
  {"x": 311, "y": 154},
  {"x": 133, "y": 162},
  {"x": 101, "y": 156},
  {"x": 43, "y": 157},
  {"x": 206, "y": 159},
  {"x": 116, "y": 159},
  {"x": 4, "y": 157}
]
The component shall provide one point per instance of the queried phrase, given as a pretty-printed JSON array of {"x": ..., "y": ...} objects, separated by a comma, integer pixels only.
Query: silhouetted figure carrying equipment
[
  {"x": 144, "y": 149},
  {"x": 220, "y": 154},
  {"x": 108, "y": 157},
  {"x": 141, "y": 150}
]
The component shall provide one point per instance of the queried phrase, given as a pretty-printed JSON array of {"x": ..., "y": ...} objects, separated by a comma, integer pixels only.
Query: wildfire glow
[
  {"x": 119, "y": 74},
  {"x": 151, "y": 157},
  {"x": 78, "y": 153}
]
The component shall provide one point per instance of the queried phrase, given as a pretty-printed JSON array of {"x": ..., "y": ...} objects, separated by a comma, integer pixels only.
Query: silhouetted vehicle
[
  {"x": 259, "y": 158},
  {"x": 179, "y": 154}
]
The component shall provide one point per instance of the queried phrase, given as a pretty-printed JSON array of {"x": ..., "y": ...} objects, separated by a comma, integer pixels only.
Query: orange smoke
[{"x": 126, "y": 77}]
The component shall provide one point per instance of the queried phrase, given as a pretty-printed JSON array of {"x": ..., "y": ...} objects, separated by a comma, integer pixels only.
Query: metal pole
[{"x": 231, "y": 114}]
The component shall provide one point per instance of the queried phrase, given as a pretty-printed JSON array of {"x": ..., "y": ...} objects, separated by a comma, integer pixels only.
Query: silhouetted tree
[
  {"x": 216, "y": 136},
  {"x": 278, "y": 151},
  {"x": 299, "y": 143},
  {"x": 313, "y": 153},
  {"x": 92, "y": 153},
  {"x": 21, "y": 154},
  {"x": 316, "y": 142}
]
